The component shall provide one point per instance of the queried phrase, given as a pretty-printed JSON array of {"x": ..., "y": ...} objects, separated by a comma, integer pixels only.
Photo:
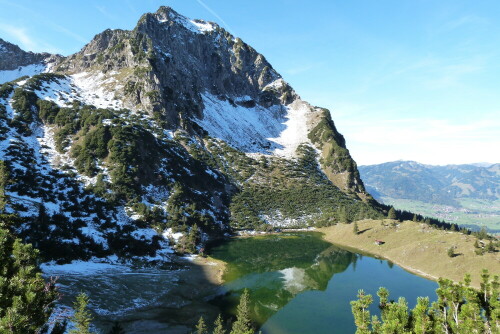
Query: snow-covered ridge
[
  {"x": 203, "y": 26},
  {"x": 277, "y": 130},
  {"x": 196, "y": 26},
  {"x": 30, "y": 70}
]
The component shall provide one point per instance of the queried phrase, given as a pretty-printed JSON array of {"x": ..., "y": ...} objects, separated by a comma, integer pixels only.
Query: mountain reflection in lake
[{"x": 298, "y": 283}]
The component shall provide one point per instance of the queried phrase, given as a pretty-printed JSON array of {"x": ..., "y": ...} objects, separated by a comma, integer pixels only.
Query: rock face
[
  {"x": 171, "y": 67},
  {"x": 168, "y": 61},
  {"x": 12, "y": 57}
]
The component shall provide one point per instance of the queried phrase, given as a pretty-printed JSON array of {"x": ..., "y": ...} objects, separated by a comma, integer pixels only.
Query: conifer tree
[
  {"x": 391, "y": 214},
  {"x": 361, "y": 313},
  {"x": 243, "y": 324},
  {"x": 451, "y": 251},
  {"x": 26, "y": 300},
  {"x": 219, "y": 326},
  {"x": 355, "y": 228},
  {"x": 116, "y": 329},
  {"x": 4, "y": 178},
  {"x": 82, "y": 317},
  {"x": 342, "y": 214},
  {"x": 458, "y": 309},
  {"x": 490, "y": 248},
  {"x": 422, "y": 322},
  {"x": 201, "y": 327}
]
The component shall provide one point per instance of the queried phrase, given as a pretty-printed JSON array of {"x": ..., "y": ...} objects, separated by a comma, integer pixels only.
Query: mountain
[
  {"x": 168, "y": 135},
  {"x": 471, "y": 189},
  {"x": 15, "y": 63}
]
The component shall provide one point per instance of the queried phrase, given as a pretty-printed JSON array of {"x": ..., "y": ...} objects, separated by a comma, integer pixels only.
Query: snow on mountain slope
[
  {"x": 88, "y": 88},
  {"x": 277, "y": 130},
  {"x": 97, "y": 89},
  {"x": 30, "y": 70}
]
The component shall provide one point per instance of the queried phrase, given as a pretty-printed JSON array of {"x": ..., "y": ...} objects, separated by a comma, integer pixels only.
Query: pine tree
[
  {"x": 116, "y": 329},
  {"x": 451, "y": 251},
  {"x": 422, "y": 323},
  {"x": 391, "y": 214},
  {"x": 4, "y": 178},
  {"x": 59, "y": 327},
  {"x": 458, "y": 309},
  {"x": 490, "y": 248},
  {"x": 355, "y": 228},
  {"x": 342, "y": 214},
  {"x": 26, "y": 300},
  {"x": 82, "y": 317},
  {"x": 201, "y": 327},
  {"x": 219, "y": 326},
  {"x": 361, "y": 312},
  {"x": 243, "y": 324}
]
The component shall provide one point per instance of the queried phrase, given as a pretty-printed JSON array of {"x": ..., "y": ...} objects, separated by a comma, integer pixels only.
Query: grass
[{"x": 417, "y": 247}]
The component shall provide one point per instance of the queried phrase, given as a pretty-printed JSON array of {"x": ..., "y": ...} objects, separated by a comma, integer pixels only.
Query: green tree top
[
  {"x": 391, "y": 214},
  {"x": 82, "y": 317},
  {"x": 243, "y": 324},
  {"x": 26, "y": 300}
]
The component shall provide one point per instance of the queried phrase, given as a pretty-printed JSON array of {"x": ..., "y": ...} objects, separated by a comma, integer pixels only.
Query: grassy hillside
[{"x": 417, "y": 247}]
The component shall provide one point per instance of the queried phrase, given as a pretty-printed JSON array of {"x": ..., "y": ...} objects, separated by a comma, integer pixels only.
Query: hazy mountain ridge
[
  {"x": 442, "y": 184},
  {"x": 172, "y": 124},
  {"x": 465, "y": 194}
]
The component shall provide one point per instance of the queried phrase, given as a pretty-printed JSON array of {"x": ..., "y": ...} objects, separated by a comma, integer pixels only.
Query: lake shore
[
  {"x": 210, "y": 269},
  {"x": 417, "y": 248}
]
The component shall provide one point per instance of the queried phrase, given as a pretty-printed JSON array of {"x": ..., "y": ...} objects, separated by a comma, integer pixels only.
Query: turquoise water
[{"x": 299, "y": 283}]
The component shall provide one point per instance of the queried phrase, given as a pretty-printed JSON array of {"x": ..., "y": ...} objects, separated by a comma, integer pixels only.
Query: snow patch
[
  {"x": 30, "y": 70},
  {"x": 97, "y": 89},
  {"x": 170, "y": 234},
  {"x": 203, "y": 26},
  {"x": 277, "y": 130},
  {"x": 78, "y": 267}
]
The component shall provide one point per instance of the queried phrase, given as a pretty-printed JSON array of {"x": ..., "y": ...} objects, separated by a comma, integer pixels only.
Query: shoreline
[
  {"x": 211, "y": 269},
  {"x": 362, "y": 251},
  {"x": 413, "y": 246},
  {"x": 416, "y": 248}
]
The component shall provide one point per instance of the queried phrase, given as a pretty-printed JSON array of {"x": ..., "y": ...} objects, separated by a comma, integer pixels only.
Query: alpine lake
[{"x": 298, "y": 283}]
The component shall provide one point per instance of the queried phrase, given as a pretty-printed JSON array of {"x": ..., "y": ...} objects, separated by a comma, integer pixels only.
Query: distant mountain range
[{"x": 458, "y": 186}]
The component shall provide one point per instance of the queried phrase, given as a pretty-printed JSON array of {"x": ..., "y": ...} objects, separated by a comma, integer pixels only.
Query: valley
[{"x": 467, "y": 195}]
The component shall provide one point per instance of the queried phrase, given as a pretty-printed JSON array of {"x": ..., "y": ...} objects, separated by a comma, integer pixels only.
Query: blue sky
[{"x": 412, "y": 80}]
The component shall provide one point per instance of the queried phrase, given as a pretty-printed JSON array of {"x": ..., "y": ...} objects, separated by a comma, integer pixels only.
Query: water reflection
[{"x": 277, "y": 268}]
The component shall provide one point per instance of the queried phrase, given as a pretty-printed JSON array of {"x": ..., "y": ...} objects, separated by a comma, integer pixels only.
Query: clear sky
[{"x": 412, "y": 80}]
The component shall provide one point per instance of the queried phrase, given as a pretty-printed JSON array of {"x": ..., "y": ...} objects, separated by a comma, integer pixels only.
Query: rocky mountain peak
[{"x": 12, "y": 57}]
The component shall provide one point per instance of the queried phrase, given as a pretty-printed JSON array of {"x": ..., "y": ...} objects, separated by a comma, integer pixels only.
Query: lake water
[{"x": 299, "y": 283}]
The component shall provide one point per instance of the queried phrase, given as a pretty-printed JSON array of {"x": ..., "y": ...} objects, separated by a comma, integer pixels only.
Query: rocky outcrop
[
  {"x": 12, "y": 57},
  {"x": 168, "y": 61}
]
